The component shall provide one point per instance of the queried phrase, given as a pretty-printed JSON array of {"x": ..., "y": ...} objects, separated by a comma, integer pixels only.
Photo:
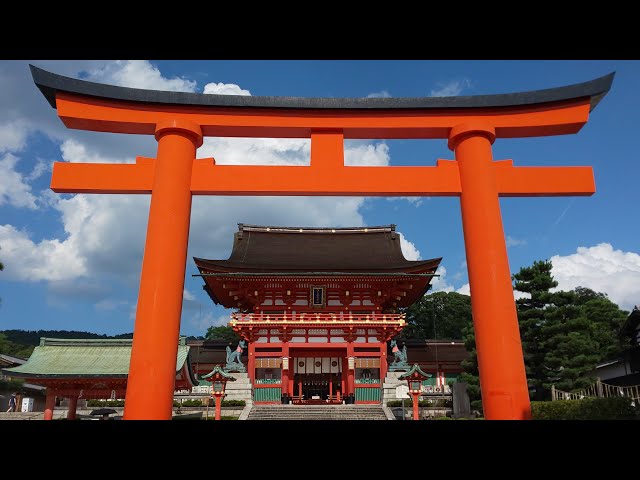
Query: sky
[{"x": 72, "y": 262}]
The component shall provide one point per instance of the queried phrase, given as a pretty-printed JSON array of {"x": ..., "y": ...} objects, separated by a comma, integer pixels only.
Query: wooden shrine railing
[
  {"x": 310, "y": 317},
  {"x": 598, "y": 390}
]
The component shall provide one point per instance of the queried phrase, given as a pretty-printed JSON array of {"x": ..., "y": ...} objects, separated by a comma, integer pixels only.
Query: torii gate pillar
[
  {"x": 503, "y": 379},
  {"x": 154, "y": 348}
]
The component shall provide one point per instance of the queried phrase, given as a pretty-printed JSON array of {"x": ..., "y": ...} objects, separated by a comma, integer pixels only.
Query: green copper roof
[
  {"x": 414, "y": 369},
  {"x": 218, "y": 369},
  {"x": 57, "y": 357}
]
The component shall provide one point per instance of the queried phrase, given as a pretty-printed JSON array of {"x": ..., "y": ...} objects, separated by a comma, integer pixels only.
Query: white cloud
[
  {"x": 138, "y": 74},
  {"x": 370, "y": 155},
  {"x": 415, "y": 201},
  {"x": 39, "y": 169},
  {"x": 225, "y": 89},
  {"x": 187, "y": 295},
  {"x": 380, "y": 94},
  {"x": 408, "y": 248},
  {"x": 603, "y": 269},
  {"x": 74, "y": 151},
  {"x": 466, "y": 290},
  {"x": 441, "y": 284},
  {"x": 47, "y": 260},
  {"x": 13, "y": 188},
  {"x": 451, "y": 88},
  {"x": 515, "y": 242},
  {"x": 203, "y": 322},
  {"x": 13, "y": 135}
]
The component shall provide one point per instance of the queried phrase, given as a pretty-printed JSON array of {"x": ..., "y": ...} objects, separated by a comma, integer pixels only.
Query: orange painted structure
[
  {"x": 317, "y": 307},
  {"x": 89, "y": 369},
  {"x": 180, "y": 120}
]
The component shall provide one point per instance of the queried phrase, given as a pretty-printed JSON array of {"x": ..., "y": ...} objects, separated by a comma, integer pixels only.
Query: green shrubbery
[
  {"x": 233, "y": 403},
  {"x": 11, "y": 385},
  {"x": 614, "y": 408}
]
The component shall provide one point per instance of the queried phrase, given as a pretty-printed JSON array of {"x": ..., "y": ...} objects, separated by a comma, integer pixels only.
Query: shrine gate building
[{"x": 317, "y": 307}]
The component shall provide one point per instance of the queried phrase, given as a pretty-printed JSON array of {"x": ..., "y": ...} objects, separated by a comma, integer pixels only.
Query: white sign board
[
  {"x": 27, "y": 405},
  {"x": 402, "y": 391}
]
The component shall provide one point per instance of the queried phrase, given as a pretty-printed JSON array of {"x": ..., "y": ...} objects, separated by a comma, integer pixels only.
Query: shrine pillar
[
  {"x": 350, "y": 371},
  {"x": 73, "y": 405},
  {"x": 50, "y": 404},
  {"x": 503, "y": 380},
  {"x": 154, "y": 351}
]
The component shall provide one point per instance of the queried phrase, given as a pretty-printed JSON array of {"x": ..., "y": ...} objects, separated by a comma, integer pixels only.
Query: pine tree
[
  {"x": 535, "y": 280},
  {"x": 564, "y": 334},
  {"x": 470, "y": 375}
]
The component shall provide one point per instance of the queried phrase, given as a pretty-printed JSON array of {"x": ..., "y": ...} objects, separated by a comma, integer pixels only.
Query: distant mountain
[
  {"x": 32, "y": 337},
  {"x": 20, "y": 343}
]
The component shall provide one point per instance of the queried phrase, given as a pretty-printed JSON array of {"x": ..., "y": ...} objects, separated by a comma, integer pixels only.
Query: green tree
[
  {"x": 536, "y": 281},
  {"x": 470, "y": 374},
  {"x": 564, "y": 334},
  {"x": 8, "y": 347},
  {"x": 222, "y": 333},
  {"x": 441, "y": 315}
]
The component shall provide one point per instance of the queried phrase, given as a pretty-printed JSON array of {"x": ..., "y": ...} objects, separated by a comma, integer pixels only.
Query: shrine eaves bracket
[{"x": 179, "y": 121}]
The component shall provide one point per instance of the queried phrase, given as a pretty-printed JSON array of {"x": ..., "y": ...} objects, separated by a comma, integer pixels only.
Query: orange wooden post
[
  {"x": 73, "y": 405},
  {"x": 218, "y": 405},
  {"x": 285, "y": 372},
  {"x": 151, "y": 380},
  {"x": 383, "y": 361},
  {"x": 251, "y": 361},
  {"x": 330, "y": 386},
  {"x": 503, "y": 380},
  {"x": 416, "y": 406},
  {"x": 350, "y": 371},
  {"x": 50, "y": 405}
]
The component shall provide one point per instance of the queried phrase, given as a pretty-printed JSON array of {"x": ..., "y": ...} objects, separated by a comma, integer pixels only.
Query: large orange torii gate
[{"x": 179, "y": 122}]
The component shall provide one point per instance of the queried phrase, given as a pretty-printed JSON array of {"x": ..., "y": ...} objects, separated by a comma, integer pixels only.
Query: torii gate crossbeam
[{"x": 179, "y": 122}]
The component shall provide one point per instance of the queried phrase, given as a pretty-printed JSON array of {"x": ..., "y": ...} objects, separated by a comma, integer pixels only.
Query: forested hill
[
  {"x": 32, "y": 337},
  {"x": 20, "y": 343}
]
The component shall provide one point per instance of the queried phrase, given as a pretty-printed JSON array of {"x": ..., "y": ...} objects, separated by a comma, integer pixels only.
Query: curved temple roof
[
  {"x": 300, "y": 249},
  {"x": 50, "y": 83},
  {"x": 99, "y": 358}
]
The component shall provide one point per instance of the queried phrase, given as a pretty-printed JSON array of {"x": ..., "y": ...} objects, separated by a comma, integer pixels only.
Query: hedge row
[{"x": 613, "y": 408}]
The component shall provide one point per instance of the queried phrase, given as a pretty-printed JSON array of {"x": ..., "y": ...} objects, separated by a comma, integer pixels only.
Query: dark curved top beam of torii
[
  {"x": 50, "y": 83},
  {"x": 327, "y": 122}
]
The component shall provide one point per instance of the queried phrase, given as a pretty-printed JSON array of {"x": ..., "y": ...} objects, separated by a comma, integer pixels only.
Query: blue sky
[{"x": 73, "y": 261}]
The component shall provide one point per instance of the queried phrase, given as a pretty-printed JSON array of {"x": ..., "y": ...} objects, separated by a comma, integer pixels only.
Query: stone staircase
[
  {"x": 317, "y": 412},
  {"x": 240, "y": 389}
]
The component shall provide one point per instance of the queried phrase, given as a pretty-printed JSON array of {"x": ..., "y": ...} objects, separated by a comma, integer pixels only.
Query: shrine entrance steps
[{"x": 317, "y": 412}]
